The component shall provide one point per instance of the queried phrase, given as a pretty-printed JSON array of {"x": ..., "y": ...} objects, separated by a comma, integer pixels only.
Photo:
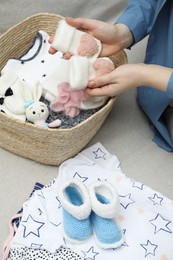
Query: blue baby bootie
[
  {"x": 104, "y": 204},
  {"x": 76, "y": 211}
]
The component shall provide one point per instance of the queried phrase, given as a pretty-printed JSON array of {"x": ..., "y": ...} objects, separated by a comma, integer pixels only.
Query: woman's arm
[
  {"x": 133, "y": 25},
  {"x": 139, "y": 17},
  {"x": 129, "y": 76}
]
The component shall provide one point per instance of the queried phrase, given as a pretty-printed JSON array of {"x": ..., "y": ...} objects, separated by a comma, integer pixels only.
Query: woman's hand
[
  {"x": 129, "y": 76},
  {"x": 121, "y": 79}
]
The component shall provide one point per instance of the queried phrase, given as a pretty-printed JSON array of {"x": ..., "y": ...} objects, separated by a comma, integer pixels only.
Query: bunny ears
[{"x": 31, "y": 96}]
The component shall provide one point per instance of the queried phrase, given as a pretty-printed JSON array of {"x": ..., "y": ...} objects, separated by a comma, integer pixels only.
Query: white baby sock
[
  {"x": 83, "y": 65},
  {"x": 77, "y": 71},
  {"x": 81, "y": 70},
  {"x": 69, "y": 39}
]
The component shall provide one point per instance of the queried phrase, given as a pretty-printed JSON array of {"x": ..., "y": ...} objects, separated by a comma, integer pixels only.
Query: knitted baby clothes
[
  {"x": 104, "y": 203},
  {"x": 69, "y": 39},
  {"x": 76, "y": 210}
]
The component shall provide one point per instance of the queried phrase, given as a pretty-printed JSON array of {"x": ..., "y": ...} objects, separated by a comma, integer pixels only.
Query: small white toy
[{"x": 36, "y": 111}]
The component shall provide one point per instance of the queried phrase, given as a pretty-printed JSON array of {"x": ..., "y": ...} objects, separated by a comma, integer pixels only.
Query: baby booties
[{"x": 76, "y": 211}]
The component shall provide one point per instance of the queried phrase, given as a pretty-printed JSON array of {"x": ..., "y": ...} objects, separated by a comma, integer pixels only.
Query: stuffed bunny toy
[{"x": 36, "y": 111}]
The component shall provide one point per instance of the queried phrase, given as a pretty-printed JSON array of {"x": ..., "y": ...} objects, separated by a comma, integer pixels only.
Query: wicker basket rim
[
  {"x": 48, "y": 146},
  {"x": 28, "y": 18},
  {"x": 111, "y": 101}
]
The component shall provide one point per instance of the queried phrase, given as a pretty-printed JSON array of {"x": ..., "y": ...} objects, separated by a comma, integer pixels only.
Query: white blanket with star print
[{"x": 145, "y": 216}]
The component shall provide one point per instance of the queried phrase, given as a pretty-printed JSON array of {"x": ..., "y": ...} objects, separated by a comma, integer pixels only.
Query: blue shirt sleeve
[{"x": 138, "y": 16}]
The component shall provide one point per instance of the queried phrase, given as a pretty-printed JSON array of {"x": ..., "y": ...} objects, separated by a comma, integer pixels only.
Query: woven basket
[{"x": 47, "y": 146}]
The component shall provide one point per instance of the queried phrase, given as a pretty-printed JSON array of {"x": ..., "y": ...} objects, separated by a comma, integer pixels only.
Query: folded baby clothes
[
  {"x": 36, "y": 64},
  {"x": 21, "y": 253},
  {"x": 144, "y": 215}
]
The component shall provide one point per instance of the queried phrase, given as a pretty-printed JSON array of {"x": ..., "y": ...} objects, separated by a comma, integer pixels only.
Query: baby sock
[
  {"x": 85, "y": 49},
  {"x": 81, "y": 70},
  {"x": 83, "y": 66},
  {"x": 69, "y": 39}
]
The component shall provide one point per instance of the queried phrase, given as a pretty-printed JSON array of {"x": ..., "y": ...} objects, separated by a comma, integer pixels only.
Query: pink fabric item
[
  {"x": 7, "y": 243},
  {"x": 68, "y": 100},
  {"x": 88, "y": 45},
  {"x": 103, "y": 66}
]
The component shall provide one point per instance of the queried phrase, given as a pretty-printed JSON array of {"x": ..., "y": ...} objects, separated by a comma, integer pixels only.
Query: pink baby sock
[
  {"x": 81, "y": 70},
  {"x": 103, "y": 66}
]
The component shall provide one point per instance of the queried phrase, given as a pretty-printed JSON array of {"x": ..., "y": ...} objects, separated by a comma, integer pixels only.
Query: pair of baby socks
[{"x": 84, "y": 64}]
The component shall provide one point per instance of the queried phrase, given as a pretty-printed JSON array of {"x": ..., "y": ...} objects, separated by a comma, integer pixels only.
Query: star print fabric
[{"x": 144, "y": 215}]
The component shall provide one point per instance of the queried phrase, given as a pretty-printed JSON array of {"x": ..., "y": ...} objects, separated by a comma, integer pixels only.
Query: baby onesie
[
  {"x": 21, "y": 253},
  {"x": 144, "y": 215},
  {"x": 36, "y": 64}
]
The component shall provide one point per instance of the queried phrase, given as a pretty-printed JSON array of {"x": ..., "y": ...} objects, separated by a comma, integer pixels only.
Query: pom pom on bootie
[
  {"x": 69, "y": 39},
  {"x": 104, "y": 203},
  {"x": 76, "y": 211}
]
